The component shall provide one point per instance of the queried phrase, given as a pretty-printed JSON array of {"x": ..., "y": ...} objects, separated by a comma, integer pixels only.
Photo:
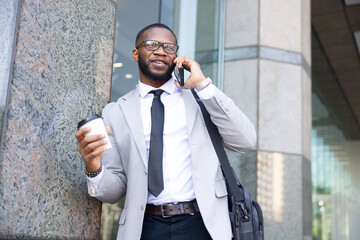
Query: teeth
[{"x": 158, "y": 62}]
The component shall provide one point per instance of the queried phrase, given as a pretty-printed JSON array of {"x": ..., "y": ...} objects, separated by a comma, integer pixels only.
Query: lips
[{"x": 158, "y": 62}]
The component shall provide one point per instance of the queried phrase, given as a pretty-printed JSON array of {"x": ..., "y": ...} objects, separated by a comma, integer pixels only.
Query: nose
[{"x": 160, "y": 51}]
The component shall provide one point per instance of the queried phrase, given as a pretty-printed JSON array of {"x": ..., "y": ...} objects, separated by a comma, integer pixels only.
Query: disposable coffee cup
[{"x": 96, "y": 123}]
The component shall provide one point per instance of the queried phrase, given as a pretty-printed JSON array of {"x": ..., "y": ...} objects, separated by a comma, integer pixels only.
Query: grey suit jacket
[{"x": 126, "y": 162}]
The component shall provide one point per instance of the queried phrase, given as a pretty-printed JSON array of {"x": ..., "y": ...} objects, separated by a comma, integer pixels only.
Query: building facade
[{"x": 293, "y": 67}]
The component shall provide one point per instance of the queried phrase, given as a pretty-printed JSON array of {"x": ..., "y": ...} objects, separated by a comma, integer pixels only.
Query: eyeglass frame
[{"x": 160, "y": 44}]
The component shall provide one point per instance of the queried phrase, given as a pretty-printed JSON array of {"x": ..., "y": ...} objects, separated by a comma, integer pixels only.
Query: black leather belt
[{"x": 173, "y": 209}]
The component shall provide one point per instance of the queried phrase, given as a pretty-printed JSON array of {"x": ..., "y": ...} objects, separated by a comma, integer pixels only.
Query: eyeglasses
[{"x": 153, "y": 45}]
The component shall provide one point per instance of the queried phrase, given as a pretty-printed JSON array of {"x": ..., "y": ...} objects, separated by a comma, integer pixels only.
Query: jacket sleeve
[
  {"x": 237, "y": 131},
  {"x": 112, "y": 186}
]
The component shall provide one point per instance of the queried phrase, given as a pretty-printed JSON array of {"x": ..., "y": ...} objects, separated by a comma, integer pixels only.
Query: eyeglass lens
[{"x": 153, "y": 45}]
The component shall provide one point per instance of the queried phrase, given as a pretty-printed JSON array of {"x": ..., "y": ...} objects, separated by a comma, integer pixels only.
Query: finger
[
  {"x": 187, "y": 62},
  {"x": 89, "y": 139},
  {"x": 108, "y": 129},
  {"x": 80, "y": 134},
  {"x": 179, "y": 63},
  {"x": 93, "y": 146},
  {"x": 181, "y": 60},
  {"x": 186, "y": 66},
  {"x": 178, "y": 59},
  {"x": 97, "y": 153},
  {"x": 177, "y": 84}
]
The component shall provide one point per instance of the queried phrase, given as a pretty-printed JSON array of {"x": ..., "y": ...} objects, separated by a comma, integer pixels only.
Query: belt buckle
[{"x": 163, "y": 211}]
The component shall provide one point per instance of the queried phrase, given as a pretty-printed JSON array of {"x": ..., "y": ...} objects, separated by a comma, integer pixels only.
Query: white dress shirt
[{"x": 176, "y": 150}]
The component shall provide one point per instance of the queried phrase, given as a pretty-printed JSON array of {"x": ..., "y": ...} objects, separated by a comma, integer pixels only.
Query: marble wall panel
[
  {"x": 280, "y": 119},
  {"x": 306, "y": 114},
  {"x": 240, "y": 84},
  {"x": 280, "y": 24},
  {"x": 280, "y": 195},
  {"x": 245, "y": 167},
  {"x": 306, "y": 30},
  {"x": 306, "y": 198},
  {"x": 62, "y": 73},
  {"x": 242, "y": 18}
]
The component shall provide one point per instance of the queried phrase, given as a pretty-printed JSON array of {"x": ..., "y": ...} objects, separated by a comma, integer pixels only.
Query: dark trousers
[{"x": 184, "y": 227}]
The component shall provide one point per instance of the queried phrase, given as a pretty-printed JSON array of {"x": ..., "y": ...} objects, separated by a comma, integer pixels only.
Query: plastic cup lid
[{"x": 88, "y": 119}]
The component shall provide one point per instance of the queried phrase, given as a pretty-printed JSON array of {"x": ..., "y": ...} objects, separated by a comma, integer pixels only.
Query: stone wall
[{"x": 61, "y": 73}]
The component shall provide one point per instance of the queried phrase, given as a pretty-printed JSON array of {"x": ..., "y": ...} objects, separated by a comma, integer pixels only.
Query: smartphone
[{"x": 179, "y": 75}]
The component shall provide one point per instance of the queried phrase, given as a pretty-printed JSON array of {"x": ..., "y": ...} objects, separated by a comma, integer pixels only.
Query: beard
[{"x": 144, "y": 68}]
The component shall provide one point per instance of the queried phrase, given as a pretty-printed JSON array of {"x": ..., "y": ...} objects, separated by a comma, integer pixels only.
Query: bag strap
[{"x": 233, "y": 184}]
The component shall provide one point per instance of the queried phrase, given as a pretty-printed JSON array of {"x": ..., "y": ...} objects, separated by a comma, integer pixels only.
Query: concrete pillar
[
  {"x": 267, "y": 73},
  {"x": 61, "y": 72}
]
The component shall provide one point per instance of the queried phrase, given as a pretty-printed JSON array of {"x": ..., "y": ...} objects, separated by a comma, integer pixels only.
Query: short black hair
[{"x": 154, "y": 25}]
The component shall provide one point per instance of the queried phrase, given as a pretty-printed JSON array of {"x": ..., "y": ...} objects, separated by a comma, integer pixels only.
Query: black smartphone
[{"x": 179, "y": 75}]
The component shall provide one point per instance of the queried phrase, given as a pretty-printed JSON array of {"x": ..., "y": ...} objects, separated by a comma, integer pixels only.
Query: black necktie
[{"x": 156, "y": 183}]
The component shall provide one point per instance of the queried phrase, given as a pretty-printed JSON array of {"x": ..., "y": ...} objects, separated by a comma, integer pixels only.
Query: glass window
[
  {"x": 131, "y": 16},
  {"x": 199, "y": 26},
  {"x": 335, "y": 163}
]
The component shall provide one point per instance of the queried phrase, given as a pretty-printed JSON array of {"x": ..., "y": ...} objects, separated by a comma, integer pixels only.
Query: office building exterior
[{"x": 293, "y": 67}]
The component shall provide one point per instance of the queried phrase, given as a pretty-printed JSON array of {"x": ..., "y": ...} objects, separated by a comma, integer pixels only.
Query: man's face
[{"x": 157, "y": 65}]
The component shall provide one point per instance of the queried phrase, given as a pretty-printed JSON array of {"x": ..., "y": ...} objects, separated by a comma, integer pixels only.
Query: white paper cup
[{"x": 96, "y": 123}]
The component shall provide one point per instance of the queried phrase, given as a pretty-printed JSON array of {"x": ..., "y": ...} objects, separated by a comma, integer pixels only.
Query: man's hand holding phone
[{"x": 193, "y": 67}]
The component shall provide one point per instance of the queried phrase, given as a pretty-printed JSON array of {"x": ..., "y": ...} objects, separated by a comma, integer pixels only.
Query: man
[{"x": 188, "y": 198}]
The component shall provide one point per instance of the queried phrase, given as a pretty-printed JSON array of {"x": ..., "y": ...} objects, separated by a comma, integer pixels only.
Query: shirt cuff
[
  {"x": 207, "y": 92},
  {"x": 95, "y": 181}
]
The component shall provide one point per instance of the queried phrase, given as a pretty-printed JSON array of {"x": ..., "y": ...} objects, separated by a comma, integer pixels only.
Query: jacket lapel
[{"x": 130, "y": 105}]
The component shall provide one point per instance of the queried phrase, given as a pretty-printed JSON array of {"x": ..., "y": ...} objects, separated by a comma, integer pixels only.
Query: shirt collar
[{"x": 169, "y": 87}]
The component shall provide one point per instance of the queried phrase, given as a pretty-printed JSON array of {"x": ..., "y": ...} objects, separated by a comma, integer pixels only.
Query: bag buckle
[{"x": 244, "y": 213}]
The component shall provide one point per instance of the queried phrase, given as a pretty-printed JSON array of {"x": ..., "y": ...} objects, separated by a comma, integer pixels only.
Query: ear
[{"x": 135, "y": 54}]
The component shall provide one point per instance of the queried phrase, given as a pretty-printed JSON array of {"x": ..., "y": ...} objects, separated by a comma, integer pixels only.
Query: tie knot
[{"x": 157, "y": 92}]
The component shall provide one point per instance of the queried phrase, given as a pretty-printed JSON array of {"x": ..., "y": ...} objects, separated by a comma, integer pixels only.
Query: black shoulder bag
[{"x": 245, "y": 214}]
